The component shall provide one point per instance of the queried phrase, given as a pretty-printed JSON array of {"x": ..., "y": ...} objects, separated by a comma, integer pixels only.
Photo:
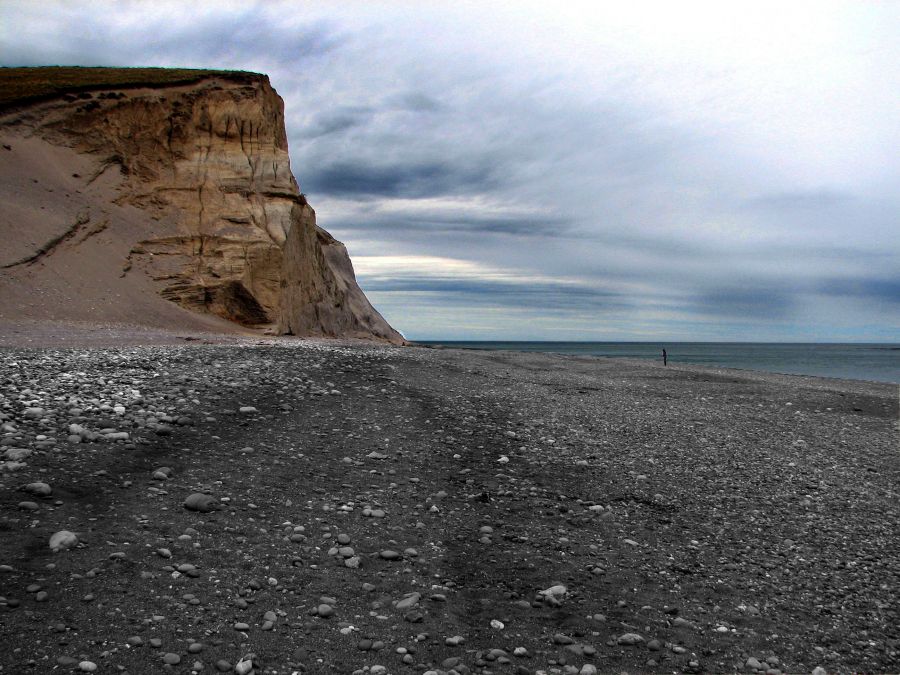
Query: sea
[{"x": 874, "y": 362}]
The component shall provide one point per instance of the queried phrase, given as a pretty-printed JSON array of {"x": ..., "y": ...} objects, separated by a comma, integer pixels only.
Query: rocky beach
[{"x": 274, "y": 505}]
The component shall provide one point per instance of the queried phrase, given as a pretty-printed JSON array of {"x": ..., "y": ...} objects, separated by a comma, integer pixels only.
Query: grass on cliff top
[{"x": 25, "y": 85}]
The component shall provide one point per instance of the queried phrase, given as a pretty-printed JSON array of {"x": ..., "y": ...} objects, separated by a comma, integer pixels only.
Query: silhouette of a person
[{"x": 665, "y": 358}]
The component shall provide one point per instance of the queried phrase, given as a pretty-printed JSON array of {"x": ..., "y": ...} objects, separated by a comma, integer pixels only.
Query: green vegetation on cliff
[{"x": 25, "y": 85}]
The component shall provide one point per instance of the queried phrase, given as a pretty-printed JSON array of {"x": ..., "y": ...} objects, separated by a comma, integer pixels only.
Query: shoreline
[
  {"x": 90, "y": 335},
  {"x": 673, "y": 362}
]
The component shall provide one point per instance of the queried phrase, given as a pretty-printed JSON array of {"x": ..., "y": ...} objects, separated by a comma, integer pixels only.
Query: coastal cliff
[{"x": 194, "y": 179}]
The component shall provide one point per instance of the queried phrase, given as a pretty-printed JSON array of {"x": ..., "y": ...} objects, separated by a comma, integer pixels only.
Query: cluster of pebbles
[{"x": 306, "y": 507}]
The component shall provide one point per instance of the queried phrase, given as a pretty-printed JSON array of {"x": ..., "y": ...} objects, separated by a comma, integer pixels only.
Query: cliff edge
[{"x": 161, "y": 188}]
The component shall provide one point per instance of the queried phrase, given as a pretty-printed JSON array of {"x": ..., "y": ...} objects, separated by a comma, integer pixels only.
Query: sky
[{"x": 567, "y": 171}]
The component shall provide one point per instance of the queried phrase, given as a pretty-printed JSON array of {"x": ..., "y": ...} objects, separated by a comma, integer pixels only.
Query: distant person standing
[{"x": 665, "y": 358}]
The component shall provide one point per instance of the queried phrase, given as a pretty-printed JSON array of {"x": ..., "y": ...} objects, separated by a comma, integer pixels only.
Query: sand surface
[{"x": 394, "y": 510}]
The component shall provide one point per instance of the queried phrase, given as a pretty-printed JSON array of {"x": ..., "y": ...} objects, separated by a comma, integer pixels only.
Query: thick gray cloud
[
  {"x": 348, "y": 178},
  {"x": 699, "y": 171}
]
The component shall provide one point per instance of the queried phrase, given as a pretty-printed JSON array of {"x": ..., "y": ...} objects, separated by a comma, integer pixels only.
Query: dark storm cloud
[
  {"x": 753, "y": 302},
  {"x": 221, "y": 39},
  {"x": 335, "y": 121},
  {"x": 546, "y": 296},
  {"x": 345, "y": 178},
  {"x": 211, "y": 42},
  {"x": 448, "y": 223},
  {"x": 416, "y": 101},
  {"x": 878, "y": 290}
]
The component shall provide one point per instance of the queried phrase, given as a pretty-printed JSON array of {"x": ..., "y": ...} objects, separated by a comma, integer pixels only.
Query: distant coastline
[{"x": 873, "y": 362}]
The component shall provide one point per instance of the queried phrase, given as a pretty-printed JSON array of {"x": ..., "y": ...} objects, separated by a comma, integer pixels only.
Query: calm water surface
[{"x": 877, "y": 362}]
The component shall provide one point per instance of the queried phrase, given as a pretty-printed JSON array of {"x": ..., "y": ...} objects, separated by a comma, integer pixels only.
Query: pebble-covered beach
[{"x": 278, "y": 507}]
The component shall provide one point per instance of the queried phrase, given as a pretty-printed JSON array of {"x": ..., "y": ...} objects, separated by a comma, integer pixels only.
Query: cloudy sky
[{"x": 567, "y": 171}]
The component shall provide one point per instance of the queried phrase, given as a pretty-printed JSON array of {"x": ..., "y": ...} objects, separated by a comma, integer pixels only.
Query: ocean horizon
[{"x": 876, "y": 362}]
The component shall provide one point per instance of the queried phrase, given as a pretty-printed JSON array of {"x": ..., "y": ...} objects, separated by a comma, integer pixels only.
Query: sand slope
[{"x": 65, "y": 242}]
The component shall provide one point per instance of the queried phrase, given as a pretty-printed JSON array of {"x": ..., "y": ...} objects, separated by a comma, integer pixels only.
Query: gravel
[{"x": 304, "y": 505}]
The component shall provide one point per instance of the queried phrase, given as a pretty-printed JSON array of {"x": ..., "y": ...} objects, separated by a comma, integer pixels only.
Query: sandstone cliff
[{"x": 194, "y": 180}]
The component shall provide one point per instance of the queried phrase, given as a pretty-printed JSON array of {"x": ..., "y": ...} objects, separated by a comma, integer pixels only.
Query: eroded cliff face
[{"x": 232, "y": 235}]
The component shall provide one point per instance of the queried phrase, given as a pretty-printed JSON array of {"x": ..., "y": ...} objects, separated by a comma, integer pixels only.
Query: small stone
[
  {"x": 241, "y": 626},
  {"x": 195, "y": 648},
  {"x": 409, "y": 602},
  {"x": 243, "y": 666},
  {"x": 171, "y": 659},
  {"x": 87, "y": 667},
  {"x": 17, "y": 454},
  {"x": 324, "y": 610},
  {"x": 200, "y": 502},
  {"x": 389, "y": 555},
  {"x": 223, "y": 666},
  {"x": 159, "y": 474},
  {"x": 557, "y": 591},
  {"x": 753, "y": 663},
  {"x": 39, "y": 489},
  {"x": 588, "y": 669},
  {"x": 497, "y": 625},
  {"x": 629, "y": 639},
  {"x": 63, "y": 540}
]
